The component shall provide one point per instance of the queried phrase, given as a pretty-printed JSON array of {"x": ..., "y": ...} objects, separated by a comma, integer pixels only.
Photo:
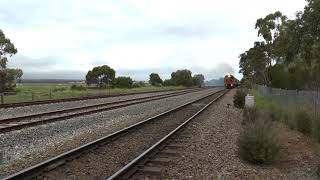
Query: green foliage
[
  {"x": 250, "y": 114},
  {"x": 245, "y": 83},
  {"x": 198, "y": 80},
  {"x": 74, "y": 87},
  {"x": 154, "y": 79},
  {"x": 239, "y": 98},
  {"x": 167, "y": 82},
  {"x": 303, "y": 121},
  {"x": 101, "y": 76},
  {"x": 182, "y": 78},
  {"x": 123, "y": 82},
  {"x": 59, "y": 89},
  {"x": 289, "y": 55},
  {"x": 259, "y": 143},
  {"x": 137, "y": 84},
  {"x": 274, "y": 112},
  {"x": 8, "y": 77}
]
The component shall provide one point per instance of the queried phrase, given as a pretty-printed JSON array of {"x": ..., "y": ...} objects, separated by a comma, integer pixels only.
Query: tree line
[
  {"x": 105, "y": 77},
  {"x": 289, "y": 55}
]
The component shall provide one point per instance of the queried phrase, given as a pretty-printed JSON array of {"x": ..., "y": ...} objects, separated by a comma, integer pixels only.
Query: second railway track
[
  {"x": 105, "y": 156},
  {"x": 16, "y": 123}
]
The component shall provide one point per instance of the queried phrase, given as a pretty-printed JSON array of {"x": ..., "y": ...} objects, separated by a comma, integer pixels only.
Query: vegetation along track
[
  {"x": 107, "y": 155},
  {"x": 29, "y": 103},
  {"x": 20, "y": 122}
]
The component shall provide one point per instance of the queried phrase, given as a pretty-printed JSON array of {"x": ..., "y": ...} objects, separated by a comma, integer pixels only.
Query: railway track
[
  {"x": 29, "y": 103},
  {"x": 105, "y": 156},
  {"x": 16, "y": 123}
]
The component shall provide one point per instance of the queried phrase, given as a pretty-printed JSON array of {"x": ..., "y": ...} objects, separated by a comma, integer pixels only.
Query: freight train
[{"x": 230, "y": 81}]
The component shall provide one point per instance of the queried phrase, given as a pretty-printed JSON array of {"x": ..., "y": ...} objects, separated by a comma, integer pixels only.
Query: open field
[{"x": 44, "y": 91}]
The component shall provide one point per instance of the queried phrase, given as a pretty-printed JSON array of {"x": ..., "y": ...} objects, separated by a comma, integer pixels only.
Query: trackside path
[{"x": 210, "y": 150}]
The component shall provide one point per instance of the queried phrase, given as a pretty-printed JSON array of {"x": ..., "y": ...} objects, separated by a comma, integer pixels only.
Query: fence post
[
  {"x": 2, "y": 98},
  {"x": 32, "y": 96}
]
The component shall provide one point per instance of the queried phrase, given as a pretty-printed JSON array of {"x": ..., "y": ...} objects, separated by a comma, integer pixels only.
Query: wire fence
[{"x": 293, "y": 99}]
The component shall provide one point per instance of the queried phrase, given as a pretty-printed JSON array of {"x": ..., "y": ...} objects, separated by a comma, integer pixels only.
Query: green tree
[
  {"x": 182, "y": 78},
  {"x": 101, "y": 76},
  {"x": 154, "y": 79},
  {"x": 198, "y": 80},
  {"x": 123, "y": 82},
  {"x": 8, "y": 77},
  {"x": 167, "y": 82},
  {"x": 289, "y": 56}
]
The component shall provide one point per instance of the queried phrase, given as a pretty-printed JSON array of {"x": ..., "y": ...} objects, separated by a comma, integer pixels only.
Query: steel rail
[
  {"x": 50, "y": 101},
  {"x": 37, "y": 169},
  {"x": 5, "y": 125},
  {"x": 139, "y": 160}
]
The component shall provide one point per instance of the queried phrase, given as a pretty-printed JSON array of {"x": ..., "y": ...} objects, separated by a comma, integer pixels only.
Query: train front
[{"x": 229, "y": 81}]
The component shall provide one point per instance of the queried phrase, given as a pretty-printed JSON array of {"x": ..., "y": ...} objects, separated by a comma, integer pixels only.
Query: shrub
[
  {"x": 239, "y": 99},
  {"x": 274, "y": 112},
  {"x": 288, "y": 119},
  {"x": 57, "y": 89},
  {"x": 259, "y": 143},
  {"x": 138, "y": 84},
  {"x": 250, "y": 114},
  {"x": 303, "y": 121},
  {"x": 124, "y": 82},
  {"x": 77, "y": 88},
  {"x": 167, "y": 82}
]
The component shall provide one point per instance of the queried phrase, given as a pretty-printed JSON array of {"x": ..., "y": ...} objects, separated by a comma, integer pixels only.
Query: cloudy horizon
[{"x": 64, "y": 39}]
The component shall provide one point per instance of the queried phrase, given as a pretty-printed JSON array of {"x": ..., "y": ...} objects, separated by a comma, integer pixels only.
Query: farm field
[{"x": 44, "y": 91}]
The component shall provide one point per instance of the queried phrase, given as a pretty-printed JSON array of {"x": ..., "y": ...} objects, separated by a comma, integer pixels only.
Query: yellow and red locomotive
[{"x": 230, "y": 81}]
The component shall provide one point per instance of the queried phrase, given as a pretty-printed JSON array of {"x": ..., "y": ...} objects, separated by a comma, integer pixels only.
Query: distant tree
[
  {"x": 198, "y": 80},
  {"x": 182, "y": 78},
  {"x": 154, "y": 79},
  {"x": 8, "y": 77},
  {"x": 167, "y": 82},
  {"x": 101, "y": 76},
  {"x": 123, "y": 82}
]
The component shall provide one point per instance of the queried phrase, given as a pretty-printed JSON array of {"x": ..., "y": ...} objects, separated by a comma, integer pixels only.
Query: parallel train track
[
  {"x": 176, "y": 118},
  {"x": 16, "y": 123},
  {"x": 29, "y": 103}
]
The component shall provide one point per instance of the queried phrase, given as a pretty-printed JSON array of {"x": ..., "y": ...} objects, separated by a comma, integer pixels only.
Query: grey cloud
[
  {"x": 25, "y": 62},
  {"x": 57, "y": 74}
]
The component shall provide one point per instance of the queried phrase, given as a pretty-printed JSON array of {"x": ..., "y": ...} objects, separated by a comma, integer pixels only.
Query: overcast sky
[{"x": 66, "y": 38}]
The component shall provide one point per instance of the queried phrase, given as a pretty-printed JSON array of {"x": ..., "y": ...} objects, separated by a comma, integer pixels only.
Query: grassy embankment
[{"x": 44, "y": 91}]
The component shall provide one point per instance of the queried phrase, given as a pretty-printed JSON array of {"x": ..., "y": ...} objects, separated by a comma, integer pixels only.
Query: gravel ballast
[
  {"x": 35, "y": 109},
  {"x": 211, "y": 152},
  {"x": 28, "y": 146}
]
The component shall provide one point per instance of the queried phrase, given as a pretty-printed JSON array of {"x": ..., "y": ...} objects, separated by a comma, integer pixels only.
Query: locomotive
[{"x": 230, "y": 81}]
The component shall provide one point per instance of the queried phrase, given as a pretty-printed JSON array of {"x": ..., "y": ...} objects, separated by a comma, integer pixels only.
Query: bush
[
  {"x": 288, "y": 119},
  {"x": 250, "y": 114},
  {"x": 303, "y": 121},
  {"x": 239, "y": 99},
  {"x": 167, "y": 82},
  {"x": 274, "y": 112},
  {"x": 57, "y": 89},
  {"x": 123, "y": 82},
  {"x": 259, "y": 143},
  {"x": 77, "y": 88}
]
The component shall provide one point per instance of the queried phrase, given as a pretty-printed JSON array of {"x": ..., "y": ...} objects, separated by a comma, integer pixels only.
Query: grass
[{"x": 44, "y": 91}]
